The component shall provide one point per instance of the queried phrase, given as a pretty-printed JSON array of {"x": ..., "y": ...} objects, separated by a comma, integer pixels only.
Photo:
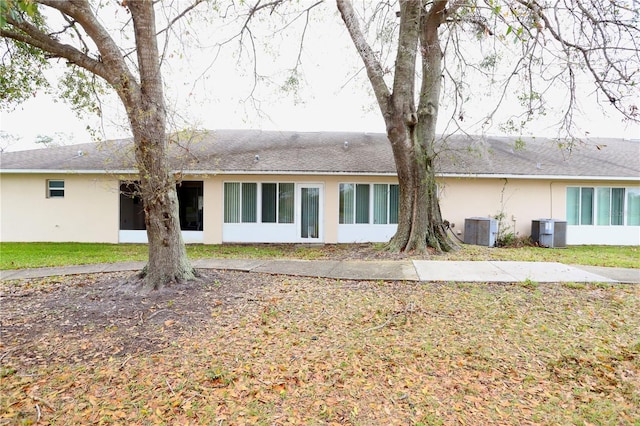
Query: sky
[{"x": 332, "y": 95}]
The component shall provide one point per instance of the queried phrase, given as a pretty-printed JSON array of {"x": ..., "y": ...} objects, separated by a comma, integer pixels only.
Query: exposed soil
[{"x": 36, "y": 313}]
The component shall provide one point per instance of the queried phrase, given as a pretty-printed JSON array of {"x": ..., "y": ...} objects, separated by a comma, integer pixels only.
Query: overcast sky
[{"x": 333, "y": 95}]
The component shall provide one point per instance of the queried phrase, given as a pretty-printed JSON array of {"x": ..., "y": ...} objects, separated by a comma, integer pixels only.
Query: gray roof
[{"x": 255, "y": 151}]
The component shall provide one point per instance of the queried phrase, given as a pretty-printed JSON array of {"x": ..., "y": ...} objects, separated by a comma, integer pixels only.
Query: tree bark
[
  {"x": 410, "y": 131},
  {"x": 425, "y": 143},
  {"x": 147, "y": 115}
]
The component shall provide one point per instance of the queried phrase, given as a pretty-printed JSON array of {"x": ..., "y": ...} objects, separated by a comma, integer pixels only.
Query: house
[{"x": 326, "y": 187}]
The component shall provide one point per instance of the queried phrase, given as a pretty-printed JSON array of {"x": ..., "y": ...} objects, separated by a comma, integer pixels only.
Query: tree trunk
[
  {"x": 147, "y": 114},
  {"x": 420, "y": 223},
  {"x": 411, "y": 132},
  {"x": 167, "y": 254}
]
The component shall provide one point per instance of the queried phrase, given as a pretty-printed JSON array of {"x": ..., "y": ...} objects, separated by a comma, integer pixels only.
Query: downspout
[{"x": 551, "y": 200}]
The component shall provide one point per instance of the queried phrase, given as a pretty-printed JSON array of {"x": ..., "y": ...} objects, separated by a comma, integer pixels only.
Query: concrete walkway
[{"x": 406, "y": 270}]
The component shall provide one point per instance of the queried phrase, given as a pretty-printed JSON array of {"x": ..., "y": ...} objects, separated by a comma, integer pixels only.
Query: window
[
  {"x": 55, "y": 189},
  {"x": 573, "y": 205},
  {"x": 269, "y": 200},
  {"x": 277, "y": 202},
  {"x": 617, "y": 206},
  {"x": 190, "y": 206},
  {"x": 603, "y": 206},
  {"x": 610, "y": 203},
  {"x": 380, "y": 203},
  {"x": 347, "y": 203},
  {"x": 394, "y": 201},
  {"x": 604, "y": 203},
  {"x": 285, "y": 202},
  {"x": 361, "y": 202},
  {"x": 243, "y": 201},
  {"x": 633, "y": 207},
  {"x": 131, "y": 207},
  {"x": 240, "y": 202},
  {"x": 249, "y": 202},
  {"x": 586, "y": 206}
]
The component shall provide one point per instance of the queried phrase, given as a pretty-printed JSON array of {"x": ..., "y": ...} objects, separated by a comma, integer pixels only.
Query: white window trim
[
  {"x": 259, "y": 201},
  {"x": 371, "y": 202},
  {"x": 49, "y": 188}
]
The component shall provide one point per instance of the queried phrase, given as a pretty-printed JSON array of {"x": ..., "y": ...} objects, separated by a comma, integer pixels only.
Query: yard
[
  {"x": 36, "y": 255},
  {"x": 244, "y": 348}
]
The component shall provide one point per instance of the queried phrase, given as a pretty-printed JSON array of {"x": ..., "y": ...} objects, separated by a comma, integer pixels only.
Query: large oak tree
[
  {"x": 548, "y": 46},
  {"x": 37, "y": 31}
]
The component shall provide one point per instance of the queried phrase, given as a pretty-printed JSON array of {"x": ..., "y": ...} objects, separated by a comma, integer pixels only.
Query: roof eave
[
  {"x": 285, "y": 172},
  {"x": 537, "y": 177},
  {"x": 66, "y": 172},
  {"x": 327, "y": 173}
]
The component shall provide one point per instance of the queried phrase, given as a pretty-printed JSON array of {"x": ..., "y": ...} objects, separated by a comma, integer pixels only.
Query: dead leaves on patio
[{"x": 313, "y": 351}]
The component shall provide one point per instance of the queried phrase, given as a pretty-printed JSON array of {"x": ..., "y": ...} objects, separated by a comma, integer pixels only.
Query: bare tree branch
[
  {"x": 599, "y": 76},
  {"x": 181, "y": 15},
  {"x": 371, "y": 63}
]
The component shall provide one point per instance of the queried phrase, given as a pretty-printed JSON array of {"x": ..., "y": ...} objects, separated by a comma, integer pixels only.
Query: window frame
[
  {"x": 259, "y": 202},
  {"x": 372, "y": 200},
  {"x": 605, "y": 206},
  {"x": 280, "y": 213},
  {"x": 632, "y": 218},
  {"x": 51, "y": 189}
]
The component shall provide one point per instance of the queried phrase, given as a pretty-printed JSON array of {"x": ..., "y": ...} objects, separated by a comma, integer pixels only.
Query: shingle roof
[{"x": 255, "y": 151}]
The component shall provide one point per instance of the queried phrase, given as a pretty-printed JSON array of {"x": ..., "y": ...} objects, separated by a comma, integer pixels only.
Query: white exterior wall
[
  {"x": 603, "y": 235},
  {"x": 359, "y": 232},
  {"x": 264, "y": 232},
  {"x": 140, "y": 237},
  {"x": 88, "y": 212}
]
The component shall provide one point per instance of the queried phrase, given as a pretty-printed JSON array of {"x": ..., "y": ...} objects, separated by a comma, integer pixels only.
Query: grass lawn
[
  {"x": 612, "y": 256},
  {"x": 33, "y": 255},
  {"x": 289, "y": 351}
]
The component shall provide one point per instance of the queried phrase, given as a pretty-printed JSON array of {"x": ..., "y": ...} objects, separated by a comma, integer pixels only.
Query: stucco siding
[
  {"x": 88, "y": 212},
  {"x": 213, "y": 210},
  {"x": 520, "y": 201},
  {"x": 520, "y": 184}
]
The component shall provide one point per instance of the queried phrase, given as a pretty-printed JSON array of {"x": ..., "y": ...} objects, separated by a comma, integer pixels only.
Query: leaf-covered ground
[{"x": 244, "y": 348}]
